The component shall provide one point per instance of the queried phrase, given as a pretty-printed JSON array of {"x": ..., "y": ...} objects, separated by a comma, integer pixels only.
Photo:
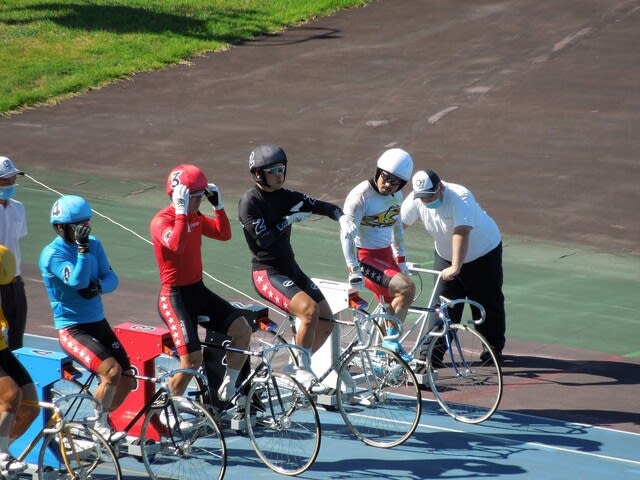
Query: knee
[
  {"x": 112, "y": 372},
  {"x": 309, "y": 312},
  {"x": 10, "y": 399},
  {"x": 403, "y": 287}
]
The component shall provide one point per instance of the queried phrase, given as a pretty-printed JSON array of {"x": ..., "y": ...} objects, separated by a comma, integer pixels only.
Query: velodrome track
[{"x": 533, "y": 105}]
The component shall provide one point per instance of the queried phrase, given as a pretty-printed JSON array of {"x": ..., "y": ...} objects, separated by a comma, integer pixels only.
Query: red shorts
[{"x": 378, "y": 268}]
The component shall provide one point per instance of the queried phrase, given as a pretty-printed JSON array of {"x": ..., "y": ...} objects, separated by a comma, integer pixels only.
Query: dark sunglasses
[{"x": 390, "y": 178}]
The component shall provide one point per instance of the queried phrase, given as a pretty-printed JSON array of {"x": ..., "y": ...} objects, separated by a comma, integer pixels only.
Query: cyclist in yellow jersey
[{"x": 18, "y": 398}]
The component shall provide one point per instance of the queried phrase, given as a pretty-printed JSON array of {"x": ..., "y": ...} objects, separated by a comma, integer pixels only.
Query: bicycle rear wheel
[
  {"x": 181, "y": 440},
  {"x": 284, "y": 426},
  {"x": 378, "y": 397},
  {"x": 464, "y": 375},
  {"x": 81, "y": 452}
]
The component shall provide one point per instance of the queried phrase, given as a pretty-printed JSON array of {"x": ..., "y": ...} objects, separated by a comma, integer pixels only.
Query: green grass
[{"x": 53, "y": 49}]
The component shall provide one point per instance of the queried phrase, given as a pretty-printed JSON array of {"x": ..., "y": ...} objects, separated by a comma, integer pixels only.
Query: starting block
[
  {"x": 45, "y": 367},
  {"x": 337, "y": 295},
  {"x": 143, "y": 344}
]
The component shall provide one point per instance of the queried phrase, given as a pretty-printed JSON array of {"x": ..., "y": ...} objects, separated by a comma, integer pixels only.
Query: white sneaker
[
  {"x": 9, "y": 465},
  {"x": 304, "y": 376},
  {"x": 106, "y": 432},
  {"x": 171, "y": 422}
]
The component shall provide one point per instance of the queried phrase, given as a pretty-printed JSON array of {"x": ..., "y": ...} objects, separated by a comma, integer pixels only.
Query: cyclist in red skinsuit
[{"x": 177, "y": 232}]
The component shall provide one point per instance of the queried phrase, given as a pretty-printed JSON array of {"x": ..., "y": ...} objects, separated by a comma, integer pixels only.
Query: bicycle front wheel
[
  {"x": 378, "y": 397},
  {"x": 77, "y": 452},
  {"x": 464, "y": 375},
  {"x": 283, "y": 426},
  {"x": 181, "y": 440}
]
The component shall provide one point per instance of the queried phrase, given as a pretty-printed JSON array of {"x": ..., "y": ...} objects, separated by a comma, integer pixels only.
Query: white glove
[
  {"x": 214, "y": 196},
  {"x": 297, "y": 217},
  {"x": 348, "y": 229},
  {"x": 180, "y": 198},
  {"x": 356, "y": 280}
]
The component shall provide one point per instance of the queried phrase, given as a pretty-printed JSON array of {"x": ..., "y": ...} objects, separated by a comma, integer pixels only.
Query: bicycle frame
[
  {"x": 56, "y": 426},
  {"x": 361, "y": 341}
]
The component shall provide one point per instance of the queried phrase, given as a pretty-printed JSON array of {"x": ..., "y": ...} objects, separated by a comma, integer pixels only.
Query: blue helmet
[{"x": 70, "y": 209}]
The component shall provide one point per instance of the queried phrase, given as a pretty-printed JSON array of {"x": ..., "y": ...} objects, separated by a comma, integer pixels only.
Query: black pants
[
  {"x": 480, "y": 280},
  {"x": 14, "y": 306}
]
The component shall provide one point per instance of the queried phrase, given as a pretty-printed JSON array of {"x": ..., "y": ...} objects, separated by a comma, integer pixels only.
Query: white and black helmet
[
  {"x": 398, "y": 163},
  {"x": 265, "y": 156}
]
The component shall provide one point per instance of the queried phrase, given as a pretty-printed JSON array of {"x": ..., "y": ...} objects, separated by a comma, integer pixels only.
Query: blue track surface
[{"x": 509, "y": 445}]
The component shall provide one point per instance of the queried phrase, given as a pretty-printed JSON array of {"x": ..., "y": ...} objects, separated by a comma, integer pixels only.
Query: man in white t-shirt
[
  {"x": 13, "y": 226},
  {"x": 468, "y": 248}
]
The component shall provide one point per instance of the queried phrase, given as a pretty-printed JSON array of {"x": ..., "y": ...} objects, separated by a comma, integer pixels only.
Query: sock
[
  {"x": 304, "y": 361},
  {"x": 392, "y": 331},
  {"x": 103, "y": 418}
]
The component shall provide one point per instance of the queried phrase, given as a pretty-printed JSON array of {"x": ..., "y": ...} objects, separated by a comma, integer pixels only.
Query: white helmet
[{"x": 397, "y": 162}]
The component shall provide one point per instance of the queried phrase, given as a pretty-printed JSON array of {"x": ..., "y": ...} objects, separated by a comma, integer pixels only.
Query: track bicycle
[
  {"x": 277, "y": 413},
  {"x": 179, "y": 439},
  {"x": 462, "y": 371},
  {"x": 80, "y": 452},
  {"x": 376, "y": 392}
]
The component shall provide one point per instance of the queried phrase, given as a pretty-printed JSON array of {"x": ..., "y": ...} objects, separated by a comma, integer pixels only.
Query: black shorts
[
  {"x": 90, "y": 344},
  {"x": 279, "y": 287},
  {"x": 180, "y": 307},
  {"x": 10, "y": 366}
]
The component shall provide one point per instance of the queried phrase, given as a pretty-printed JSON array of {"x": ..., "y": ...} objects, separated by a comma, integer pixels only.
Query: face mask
[
  {"x": 434, "y": 204},
  {"x": 7, "y": 192}
]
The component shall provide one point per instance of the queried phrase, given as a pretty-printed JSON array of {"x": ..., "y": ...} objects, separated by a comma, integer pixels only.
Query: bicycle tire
[
  {"x": 82, "y": 453},
  {"x": 283, "y": 426},
  {"x": 180, "y": 439},
  {"x": 378, "y": 397},
  {"x": 467, "y": 387}
]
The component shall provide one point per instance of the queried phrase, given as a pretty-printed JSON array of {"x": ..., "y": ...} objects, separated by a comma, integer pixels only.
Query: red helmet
[{"x": 188, "y": 175}]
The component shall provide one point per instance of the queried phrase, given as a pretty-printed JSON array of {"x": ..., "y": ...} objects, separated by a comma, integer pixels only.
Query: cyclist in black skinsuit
[{"x": 267, "y": 212}]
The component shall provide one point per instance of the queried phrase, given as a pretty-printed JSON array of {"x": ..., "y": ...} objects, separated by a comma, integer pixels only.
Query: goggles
[
  {"x": 277, "y": 170},
  {"x": 196, "y": 195}
]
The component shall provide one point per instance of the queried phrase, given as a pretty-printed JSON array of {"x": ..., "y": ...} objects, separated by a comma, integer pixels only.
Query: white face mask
[{"x": 7, "y": 192}]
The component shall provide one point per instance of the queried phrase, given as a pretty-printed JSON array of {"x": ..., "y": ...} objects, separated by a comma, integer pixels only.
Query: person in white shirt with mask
[
  {"x": 468, "y": 249},
  {"x": 13, "y": 227}
]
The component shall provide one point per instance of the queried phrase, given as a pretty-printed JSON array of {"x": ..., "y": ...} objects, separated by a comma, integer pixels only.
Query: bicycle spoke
[
  {"x": 82, "y": 454},
  {"x": 284, "y": 426},
  {"x": 466, "y": 381},
  {"x": 378, "y": 397},
  {"x": 182, "y": 441}
]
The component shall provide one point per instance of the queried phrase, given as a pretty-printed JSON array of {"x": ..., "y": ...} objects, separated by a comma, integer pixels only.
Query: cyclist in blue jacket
[{"x": 76, "y": 273}]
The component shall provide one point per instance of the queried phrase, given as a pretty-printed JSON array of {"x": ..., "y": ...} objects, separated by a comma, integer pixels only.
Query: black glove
[
  {"x": 81, "y": 233},
  {"x": 213, "y": 195},
  {"x": 91, "y": 291}
]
